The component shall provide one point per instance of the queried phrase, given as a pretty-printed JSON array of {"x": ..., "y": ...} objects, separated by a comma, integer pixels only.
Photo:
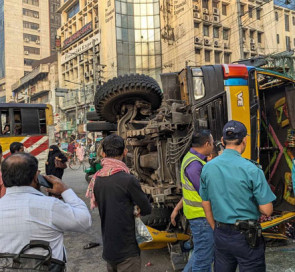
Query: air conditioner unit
[
  {"x": 27, "y": 40},
  {"x": 226, "y": 45},
  {"x": 216, "y": 44},
  {"x": 206, "y": 18},
  {"x": 26, "y": 52},
  {"x": 36, "y": 15},
  {"x": 197, "y": 15},
  {"x": 198, "y": 40},
  {"x": 216, "y": 19},
  {"x": 86, "y": 74},
  {"x": 207, "y": 42},
  {"x": 96, "y": 19},
  {"x": 252, "y": 41},
  {"x": 205, "y": 11},
  {"x": 253, "y": 47},
  {"x": 196, "y": 8},
  {"x": 216, "y": 11},
  {"x": 37, "y": 42}
]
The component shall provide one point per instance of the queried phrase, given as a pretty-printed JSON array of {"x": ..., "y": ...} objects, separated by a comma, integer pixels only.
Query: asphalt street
[
  {"x": 278, "y": 259},
  {"x": 81, "y": 260}
]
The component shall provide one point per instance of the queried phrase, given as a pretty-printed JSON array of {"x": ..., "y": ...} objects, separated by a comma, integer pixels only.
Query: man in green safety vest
[{"x": 191, "y": 167}]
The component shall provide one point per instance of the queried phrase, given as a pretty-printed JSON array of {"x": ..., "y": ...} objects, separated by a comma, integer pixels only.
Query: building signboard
[
  {"x": 80, "y": 49},
  {"x": 78, "y": 35}
]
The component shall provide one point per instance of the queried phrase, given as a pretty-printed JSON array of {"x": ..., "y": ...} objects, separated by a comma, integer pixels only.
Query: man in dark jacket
[{"x": 116, "y": 193}]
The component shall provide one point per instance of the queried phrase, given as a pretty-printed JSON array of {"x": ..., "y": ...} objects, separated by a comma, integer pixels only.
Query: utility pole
[
  {"x": 94, "y": 67},
  {"x": 240, "y": 29}
]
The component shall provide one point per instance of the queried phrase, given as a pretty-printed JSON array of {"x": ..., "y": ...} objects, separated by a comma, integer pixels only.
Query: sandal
[{"x": 91, "y": 245}]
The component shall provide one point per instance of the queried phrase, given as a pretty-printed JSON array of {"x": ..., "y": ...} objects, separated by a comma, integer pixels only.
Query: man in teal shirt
[{"x": 233, "y": 189}]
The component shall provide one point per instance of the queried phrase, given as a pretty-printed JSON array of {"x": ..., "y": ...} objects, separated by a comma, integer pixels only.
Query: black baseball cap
[{"x": 234, "y": 130}]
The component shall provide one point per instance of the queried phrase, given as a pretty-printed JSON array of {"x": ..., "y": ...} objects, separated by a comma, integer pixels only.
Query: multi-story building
[
  {"x": 199, "y": 32},
  {"x": 103, "y": 39},
  {"x": 24, "y": 38},
  {"x": 55, "y": 22}
]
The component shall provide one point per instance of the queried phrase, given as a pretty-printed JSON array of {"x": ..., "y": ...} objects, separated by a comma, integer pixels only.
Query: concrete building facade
[
  {"x": 131, "y": 43},
  {"x": 55, "y": 23},
  {"x": 24, "y": 38},
  {"x": 199, "y": 32}
]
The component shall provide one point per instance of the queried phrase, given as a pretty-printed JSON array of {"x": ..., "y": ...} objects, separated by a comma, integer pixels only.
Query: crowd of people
[{"x": 223, "y": 197}]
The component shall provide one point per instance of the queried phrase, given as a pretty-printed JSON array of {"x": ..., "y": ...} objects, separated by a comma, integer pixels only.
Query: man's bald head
[{"x": 19, "y": 169}]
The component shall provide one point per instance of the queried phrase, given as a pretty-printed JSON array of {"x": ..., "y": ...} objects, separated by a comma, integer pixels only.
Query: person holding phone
[{"x": 38, "y": 217}]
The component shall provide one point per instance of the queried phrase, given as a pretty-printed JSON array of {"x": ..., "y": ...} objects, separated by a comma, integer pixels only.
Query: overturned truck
[{"x": 157, "y": 125}]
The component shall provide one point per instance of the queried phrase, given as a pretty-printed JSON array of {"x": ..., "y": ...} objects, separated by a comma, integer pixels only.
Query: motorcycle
[{"x": 94, "y": 166}]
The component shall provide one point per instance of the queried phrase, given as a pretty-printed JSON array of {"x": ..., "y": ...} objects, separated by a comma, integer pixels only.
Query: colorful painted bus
[{"x": 30, "y": 124}]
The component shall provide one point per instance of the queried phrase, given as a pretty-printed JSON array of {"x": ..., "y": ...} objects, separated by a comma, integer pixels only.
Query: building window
[
  {"x": 217, "y": 57},
  {"x": 73, "y": 10},
  {"x": 226, "y": 58},
  {"x": 207, "y": 56},
  {"x": 288, "y": 43},
  {"x": 206, "y": 30},
  {"x": 276, "y": 15},
  {"x": 31, "y": 25},
  {"x": 293, "y": 20},
  {"x": 259, "y": 37},
  {"x": 32, "y": 50},
  {"x": 224, "y": 9},
  {"x": 31, "y": 38},
  {"x": 258, "y": 13},
  {"x": 196, "y": 24},
  {"x": 278, "y": 38},
  {"x": 242, "y": 10},
  {"x": 30, "y": 13},
  {"x": 250, "y": 11},
  {"x": 205, "y": 4},
  {"x": 225, "y": 34},
  {"x": 215, "y": 4},
  {"x": 287, "y": 27},
  {"x": 215, "y": 32},
  {"x": 197, "y": 51},
  {"x": 31, "y": 2},
  {"x": 244, "y": 33},
  {"x": 28, "y": 62}
]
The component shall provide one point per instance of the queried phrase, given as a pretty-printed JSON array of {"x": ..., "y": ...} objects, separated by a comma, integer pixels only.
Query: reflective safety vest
[{"x": 192, "y": 202}]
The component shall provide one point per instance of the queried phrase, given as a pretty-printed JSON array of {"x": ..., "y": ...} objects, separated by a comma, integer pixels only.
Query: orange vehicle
[{"x": 30, "y": 124}]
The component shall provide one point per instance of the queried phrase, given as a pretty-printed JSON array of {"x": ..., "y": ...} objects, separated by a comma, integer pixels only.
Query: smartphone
[{"x": 43, "y": 182}]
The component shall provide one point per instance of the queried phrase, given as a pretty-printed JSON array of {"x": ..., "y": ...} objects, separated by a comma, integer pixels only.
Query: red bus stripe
[
  {"x": 40, "y": 148},
  {"x": 32, "y": 140}
]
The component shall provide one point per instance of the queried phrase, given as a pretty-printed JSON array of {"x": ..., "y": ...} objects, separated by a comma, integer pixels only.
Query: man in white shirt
[{"x": 27, "y": 214}]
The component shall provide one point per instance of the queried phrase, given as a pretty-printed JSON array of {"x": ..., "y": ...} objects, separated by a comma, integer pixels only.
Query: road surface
[{"x": 278, "y": 259}]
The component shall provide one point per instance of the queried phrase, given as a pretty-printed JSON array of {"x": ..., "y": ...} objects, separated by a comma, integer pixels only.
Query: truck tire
[
  {"x": 100, "y": 126},
  {"x": 159, "y": 217},
  {"x": 127, "y": 89},
  {"x": 92, "y": 116}
]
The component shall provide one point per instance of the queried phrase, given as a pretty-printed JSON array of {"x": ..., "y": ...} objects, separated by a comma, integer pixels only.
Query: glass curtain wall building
[
  {"x": 138, "y": 37},
  {"x": 2, "y": 47}
]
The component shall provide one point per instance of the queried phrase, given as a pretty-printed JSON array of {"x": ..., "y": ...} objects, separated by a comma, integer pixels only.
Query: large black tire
[
  {"x": 127, "y": 89},
  {"x": 159, "y": 217},
  {"x": 92, "y": 116},
  {"x": 100, "y": 126}
]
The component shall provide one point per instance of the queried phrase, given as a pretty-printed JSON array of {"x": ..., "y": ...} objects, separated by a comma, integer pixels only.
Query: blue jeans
[{"x": 202, "y": 257}]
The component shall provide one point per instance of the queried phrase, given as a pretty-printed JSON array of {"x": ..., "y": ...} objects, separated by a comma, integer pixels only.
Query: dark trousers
[
  {"x": 232, "y": 249},
  {"x": 131, "y": 264}
]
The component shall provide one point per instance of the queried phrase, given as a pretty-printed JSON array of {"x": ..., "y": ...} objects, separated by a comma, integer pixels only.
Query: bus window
[
  {"x": 198, "y": 85},
  {"x": 5, "y": 126},
  {"x": 42, "y": 120},
  {"x": 30, "y": 121},
  {"x": 17, "y": 130}
]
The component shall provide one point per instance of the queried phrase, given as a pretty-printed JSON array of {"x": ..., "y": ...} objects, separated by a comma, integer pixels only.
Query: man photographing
[
  {"x": 235, "y": 192},
  {"x": 27, "y": 214}
]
